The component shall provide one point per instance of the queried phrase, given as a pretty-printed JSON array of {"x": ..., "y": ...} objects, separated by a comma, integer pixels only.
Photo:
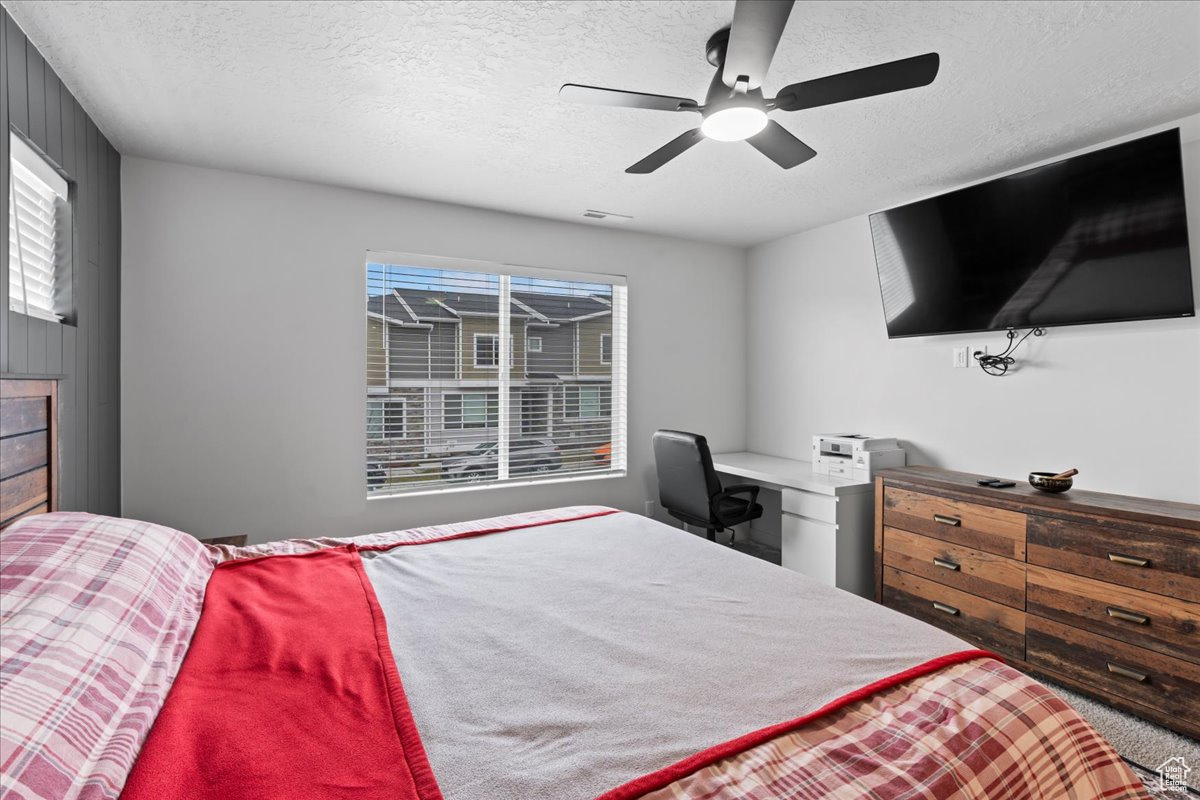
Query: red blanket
[{"x": 288, "y": 691}]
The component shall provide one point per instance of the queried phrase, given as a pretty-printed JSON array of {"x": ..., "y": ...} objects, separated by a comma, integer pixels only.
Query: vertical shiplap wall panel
[
  {"x": 91, "y": 183},
  {"x": 18, "y": 343},
  {"x": 95, "y": 365},
  {"x": 83, "y": 355},
  {"x": 35, "y": 337},
  {"x": 53, "y": 117},
  {"x": 66, "y": 116},
  {"x": 35, "y": 95},
  {"x": 68, "y": 430},
  {"x": 16, "y": 84},
  {"x": 54, "y": 339}
]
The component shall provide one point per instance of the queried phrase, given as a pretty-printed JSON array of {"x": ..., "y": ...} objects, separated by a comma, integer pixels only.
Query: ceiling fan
[{"x": 735, "y": 109}]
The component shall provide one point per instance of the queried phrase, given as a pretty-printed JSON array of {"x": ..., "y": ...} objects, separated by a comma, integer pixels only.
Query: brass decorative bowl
[{"x": 1048, "y": 483}]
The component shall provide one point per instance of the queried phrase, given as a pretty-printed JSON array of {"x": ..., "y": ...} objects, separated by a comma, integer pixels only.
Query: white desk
[{"x": 828, "y": 524}]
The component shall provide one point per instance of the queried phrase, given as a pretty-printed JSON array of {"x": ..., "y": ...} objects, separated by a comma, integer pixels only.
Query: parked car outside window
[{"x": 525, "y": 457}]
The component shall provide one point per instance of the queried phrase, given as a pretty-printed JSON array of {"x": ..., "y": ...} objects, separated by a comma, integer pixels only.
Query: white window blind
[
  {"x": 39, "y": 235},
  {"x": 439, "y": 334}
]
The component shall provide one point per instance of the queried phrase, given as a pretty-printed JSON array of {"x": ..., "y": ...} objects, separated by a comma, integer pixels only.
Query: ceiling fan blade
[
  {"x": 753, "y": 37},
  {"x": 599, "y": 96},
  {"x": 777, "y": 144},
  {"x": 895, "y": 76},
  {"x": 665, "y": 153}
]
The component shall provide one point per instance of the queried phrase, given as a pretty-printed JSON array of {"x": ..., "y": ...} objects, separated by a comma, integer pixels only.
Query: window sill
[
  {"x": 479, "y": 487},
  {"x": 65, "y": 321}
]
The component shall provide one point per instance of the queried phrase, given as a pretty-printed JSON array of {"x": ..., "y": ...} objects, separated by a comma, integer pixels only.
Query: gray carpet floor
[{"x": 1143, "y": 743}]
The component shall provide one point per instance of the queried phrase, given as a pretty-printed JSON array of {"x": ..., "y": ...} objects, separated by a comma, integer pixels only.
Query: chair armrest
[
  {"x": 741, "y": 488},
  {"x": 751, "y": 489}
]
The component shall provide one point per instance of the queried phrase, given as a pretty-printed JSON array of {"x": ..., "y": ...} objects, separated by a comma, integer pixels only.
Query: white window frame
[
  {"x": 529, "y": 340},
  {"x": 40, "y": 286},
  {"x": 604, "y": 360},
  {"x": 505, "y": 420},
  {"x": 462, "y": 424},
  {"x": 475, "y": 350},
  {"x": 384, "y": 433},
  {"x": 578, "y": 389}
]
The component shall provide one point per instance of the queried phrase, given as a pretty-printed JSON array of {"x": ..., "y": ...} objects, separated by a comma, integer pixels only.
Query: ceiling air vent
[{"x": 591, "y": 213}]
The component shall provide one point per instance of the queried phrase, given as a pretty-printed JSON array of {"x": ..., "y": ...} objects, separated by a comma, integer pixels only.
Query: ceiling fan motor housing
[{"x": 715, "y": 49}]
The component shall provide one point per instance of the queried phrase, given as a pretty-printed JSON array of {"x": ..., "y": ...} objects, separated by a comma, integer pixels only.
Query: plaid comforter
[
  {"x": 974, "y": 730},
  {"x": 978, "y": 729},
  {"x": 96, "y": 615},
  {"x": 106, "y": 609}
]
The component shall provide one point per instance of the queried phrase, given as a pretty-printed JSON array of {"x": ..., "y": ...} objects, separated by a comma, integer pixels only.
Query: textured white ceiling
[{"x": 456, "y": 101}]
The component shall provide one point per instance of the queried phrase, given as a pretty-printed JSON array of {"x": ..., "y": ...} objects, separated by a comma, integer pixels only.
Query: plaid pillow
[{"x": 96, "y": 614}]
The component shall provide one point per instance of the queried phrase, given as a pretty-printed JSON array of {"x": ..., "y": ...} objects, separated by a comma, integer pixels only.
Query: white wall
[
  {"x": 1119, "y": 401},
  {"x": 243, "y": 353}
]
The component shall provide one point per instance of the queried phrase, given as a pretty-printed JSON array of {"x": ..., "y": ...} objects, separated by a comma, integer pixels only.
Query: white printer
[{"x": 854, "y": 456}]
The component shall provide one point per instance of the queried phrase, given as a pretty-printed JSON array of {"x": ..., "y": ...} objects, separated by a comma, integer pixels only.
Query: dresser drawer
[
  {"x": 985, "y": 623},
  {"x": 807, "y": 504},
  {"x": 1149, "y": 620},
  {"x": 1130, "y": 557},
  {"x": 987, "y": 575},
  {"x": 993, "y": 530},
  {"x": 1171, "y": 685}
]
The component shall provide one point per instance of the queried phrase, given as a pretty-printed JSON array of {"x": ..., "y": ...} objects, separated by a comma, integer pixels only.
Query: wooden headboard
[{"x": 28, "y": 448}]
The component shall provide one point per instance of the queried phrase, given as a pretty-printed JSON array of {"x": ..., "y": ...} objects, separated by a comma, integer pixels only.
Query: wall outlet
[
  {"x": 650, "y": 509},
  {"x": 960, "y": 357}
]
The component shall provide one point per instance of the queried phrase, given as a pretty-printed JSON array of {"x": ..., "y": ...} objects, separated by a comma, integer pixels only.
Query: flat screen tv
[{"x": 1100, "y": 237}]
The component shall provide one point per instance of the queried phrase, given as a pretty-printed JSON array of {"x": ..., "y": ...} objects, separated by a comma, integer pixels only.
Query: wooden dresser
[{"x": 1099, "y": 592}]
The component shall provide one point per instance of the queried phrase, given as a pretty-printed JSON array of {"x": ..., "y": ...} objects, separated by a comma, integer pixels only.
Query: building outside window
[{"x": 491, "y": 374}]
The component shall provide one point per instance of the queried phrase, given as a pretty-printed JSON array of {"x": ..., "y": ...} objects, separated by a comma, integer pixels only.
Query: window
[
  {"x": 39, "y": 236},
  {"x": 587, "y": 402},
  {"x": 487, "y": 350},
  {"x": 385, "y": 419},
  {"x": 468, "y": 410},
  {"x": 471, "y": 410}
]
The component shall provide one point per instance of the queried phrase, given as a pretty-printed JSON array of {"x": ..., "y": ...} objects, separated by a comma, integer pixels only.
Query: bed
[{"x": 571, "y": 653}]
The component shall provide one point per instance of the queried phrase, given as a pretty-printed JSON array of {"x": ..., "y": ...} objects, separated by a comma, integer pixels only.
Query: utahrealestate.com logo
[{"x": 1173, "y": 773}]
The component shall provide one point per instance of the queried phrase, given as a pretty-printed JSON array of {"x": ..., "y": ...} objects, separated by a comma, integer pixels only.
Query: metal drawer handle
[
  {"x": 942, "y": 518},
  {"x": 951, "y": 610},
  {"x": 945, "y": 563},
  {"x": 1128, "y": 616},
  {"x": 1130, "y": 560},
  {"x": 1126, "y": 672}
]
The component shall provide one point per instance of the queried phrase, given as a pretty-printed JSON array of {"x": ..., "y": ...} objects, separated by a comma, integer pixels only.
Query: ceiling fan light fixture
[{"x": 734, "y": 123}]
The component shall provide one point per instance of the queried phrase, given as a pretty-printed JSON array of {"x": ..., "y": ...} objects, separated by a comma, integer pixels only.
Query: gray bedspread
[{"x": 562, "y": 661}]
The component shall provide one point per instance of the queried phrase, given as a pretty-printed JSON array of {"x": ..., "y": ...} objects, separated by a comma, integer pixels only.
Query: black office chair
[{"x": 690, "y": 491}]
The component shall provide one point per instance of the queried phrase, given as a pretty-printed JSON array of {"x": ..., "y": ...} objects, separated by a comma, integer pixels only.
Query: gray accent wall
[{"x": 84, "y": 354}]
